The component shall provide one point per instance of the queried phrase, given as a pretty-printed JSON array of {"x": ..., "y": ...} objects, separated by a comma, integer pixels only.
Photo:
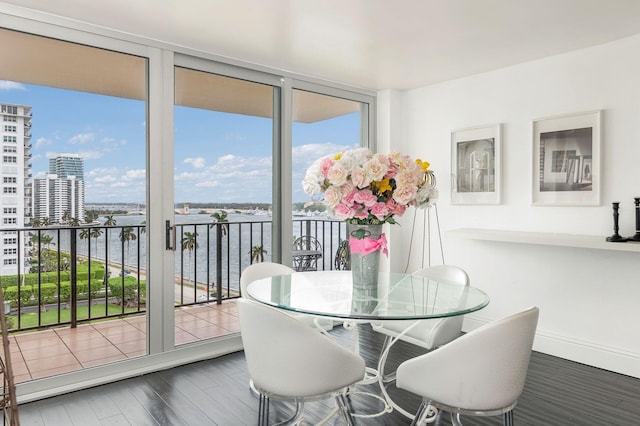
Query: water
[{"x": 244, "y": 232}]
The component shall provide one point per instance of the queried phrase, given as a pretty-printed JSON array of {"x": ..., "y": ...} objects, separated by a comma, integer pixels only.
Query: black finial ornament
[
  {"x": 636, "y": 236},
  {"x": 616, "y": 238}
]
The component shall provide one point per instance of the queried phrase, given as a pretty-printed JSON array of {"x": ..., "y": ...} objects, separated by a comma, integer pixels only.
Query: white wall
[{"x": 589, "y": 299}]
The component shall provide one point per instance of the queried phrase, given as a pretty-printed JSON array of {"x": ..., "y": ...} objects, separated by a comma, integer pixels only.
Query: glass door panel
[
  {"x": 223, "y": 148},
  {"x": 74, "y": 187},
  {"x": 323, "y": 125}
]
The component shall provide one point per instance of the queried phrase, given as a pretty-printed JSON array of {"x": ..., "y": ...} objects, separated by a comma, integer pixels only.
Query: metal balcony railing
[{"x": 63, "y": 275}]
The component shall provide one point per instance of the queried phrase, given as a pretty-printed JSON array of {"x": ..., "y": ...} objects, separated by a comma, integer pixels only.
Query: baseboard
[{"x": 585, "y": 352}]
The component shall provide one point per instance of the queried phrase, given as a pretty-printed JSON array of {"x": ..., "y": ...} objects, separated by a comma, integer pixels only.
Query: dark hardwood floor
[{"x": 215, "y": 392}]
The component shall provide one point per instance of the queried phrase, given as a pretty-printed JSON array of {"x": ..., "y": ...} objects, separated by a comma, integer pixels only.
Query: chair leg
[
  {"x": 386, "y": 378},
  {"x": 296, "y": 418},
  {"x": 263, "y": 410},
  {"x": 507, "y": 418},
  {"x": 421, "y": 414},
  {"x": 345, "y": 408}
]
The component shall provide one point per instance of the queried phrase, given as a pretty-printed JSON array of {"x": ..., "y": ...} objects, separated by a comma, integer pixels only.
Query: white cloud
[
  {"x": 90, "y": 155},
  {"x": 197, "y": 163},
  {"x": 134, "y": 174},
  {"x": 208, "y": 184},
  {"x": 101, "y": 171},
  {"x": 11, "y": 85},
  {"x": 82, "y": 138},
  {"x": 105, "y": 179},
  {"x": 42, "y": 141}
]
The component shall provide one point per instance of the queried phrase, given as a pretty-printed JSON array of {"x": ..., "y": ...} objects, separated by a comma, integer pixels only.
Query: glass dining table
[{"x": 394, "y": 297}]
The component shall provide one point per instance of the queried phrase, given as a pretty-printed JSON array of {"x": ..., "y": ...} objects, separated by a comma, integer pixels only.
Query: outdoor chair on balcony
[
  {"x": 289, "y": 361},
  {"x": 342, "y": 261},
  {"x": 306, "y": 252}
]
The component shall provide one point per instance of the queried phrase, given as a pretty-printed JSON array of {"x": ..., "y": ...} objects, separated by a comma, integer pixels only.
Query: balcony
[{"x": 80, "y": 298}]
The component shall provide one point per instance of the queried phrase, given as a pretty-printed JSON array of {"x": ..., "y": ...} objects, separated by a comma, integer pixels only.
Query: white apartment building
[
  {"x": 61, "y": 190},
  {"x": 15, "y": 198}
]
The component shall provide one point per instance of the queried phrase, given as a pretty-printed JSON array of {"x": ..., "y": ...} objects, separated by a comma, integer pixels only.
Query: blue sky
[{"x": 218, "y": 157}]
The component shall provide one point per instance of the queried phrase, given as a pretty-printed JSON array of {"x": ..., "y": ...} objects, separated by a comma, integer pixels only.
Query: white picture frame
[
  {"x": 476, "y": 170},
  {"x": 566, "y": 160}
]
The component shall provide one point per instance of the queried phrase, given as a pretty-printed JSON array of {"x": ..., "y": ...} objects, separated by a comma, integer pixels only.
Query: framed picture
[
  {"x": 475, "y": 165},
  {"x": 566, "y": 160}
]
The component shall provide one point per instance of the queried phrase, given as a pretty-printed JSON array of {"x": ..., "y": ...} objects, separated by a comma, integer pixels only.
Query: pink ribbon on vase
[{"x": 368, "y": 245}]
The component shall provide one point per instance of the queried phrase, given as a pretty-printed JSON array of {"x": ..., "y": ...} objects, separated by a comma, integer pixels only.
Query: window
[
  {"x": 9, "y": 190},
  {"x": 9, "y": 221},
  {"x": 10, "y": 210},
  {"x": 10, "y": 129},
  {"x": 10, "y": 251},
  {"x": 9, "y": 109},
  {"x": 9, "y": 149},
  {"x": 9, "y": 241},
  {"x": 10, "y": 119},
  {"x": 9, "y": 179},
  {"x": 10, "y": 261},
  {"x": 10, "y": 139},
  {"x": 9, "y": 159}
]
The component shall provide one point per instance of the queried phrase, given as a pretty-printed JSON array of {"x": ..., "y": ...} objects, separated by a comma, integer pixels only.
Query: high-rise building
[
  {"x": 65, "y": 165},
  {"x": 15, "y": 196},
  {"x": 61, "y": 192}
]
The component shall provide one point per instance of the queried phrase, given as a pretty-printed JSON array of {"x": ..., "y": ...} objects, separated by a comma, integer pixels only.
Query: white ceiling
[{"x": 374, "y": 44}]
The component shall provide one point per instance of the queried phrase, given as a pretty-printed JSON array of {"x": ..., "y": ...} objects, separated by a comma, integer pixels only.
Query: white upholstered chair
[
  {"x": 257, "y": 271},
  {"x": 289, "y": 361},
  {"x": 430, "y": 333},
  {"x": 480, "y": 374},
  {"x": 261, "y": 270}
]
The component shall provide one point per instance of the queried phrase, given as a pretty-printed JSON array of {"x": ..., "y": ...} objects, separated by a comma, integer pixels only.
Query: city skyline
[{"x": 218, "y": 157}]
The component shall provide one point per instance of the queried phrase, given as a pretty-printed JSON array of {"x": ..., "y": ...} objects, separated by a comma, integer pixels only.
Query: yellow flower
[
  {"x": 383, "y": 186},
  {"x": 424, "y": 165},
  {"x": 338, "y": 156}
]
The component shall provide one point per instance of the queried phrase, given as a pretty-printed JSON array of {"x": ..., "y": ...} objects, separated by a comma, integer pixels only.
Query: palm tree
[
  {"x": 35, "y": 222},
  {"x": 74, "y": 221},
  {"x": 110, "y": 221},
  {"x": 66, "y": 215},
  {"x": 190, "y": 243},
  {"x": 220, "y": 217},
  {"x": 46, "y": 240},
  {"x": 143, "y": 230},
  {"x": 257, "y": 253},
  {"x": 46, "y": 222},
  {"x": 126, "y": 236}
]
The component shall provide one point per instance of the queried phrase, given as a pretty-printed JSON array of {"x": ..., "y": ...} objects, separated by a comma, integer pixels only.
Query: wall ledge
[{"x": 542, "y": 238}]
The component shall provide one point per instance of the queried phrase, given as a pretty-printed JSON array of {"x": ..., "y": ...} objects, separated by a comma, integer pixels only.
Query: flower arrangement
[{"x": 366, "y": 188}]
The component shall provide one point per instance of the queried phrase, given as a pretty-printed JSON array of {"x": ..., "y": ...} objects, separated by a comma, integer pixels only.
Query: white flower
[
  {"x": 332, "y": 196},
  {"x": 426, "y": 196},
  {"x": 337, "y": 175},
  {"x": 374, "y": 169}
]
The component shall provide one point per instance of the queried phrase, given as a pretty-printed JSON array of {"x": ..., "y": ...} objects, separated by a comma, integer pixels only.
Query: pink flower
[
  {"x": 380, "y": 210},
  {"x": 361, "y": 214},
  {"x": 365, "y": 197},
  {"x": 325, "y": 165},
  {"x": 348, "y": 198},
  {"x": 343, "y": 212},
  {"x": 392, "y": 171}
]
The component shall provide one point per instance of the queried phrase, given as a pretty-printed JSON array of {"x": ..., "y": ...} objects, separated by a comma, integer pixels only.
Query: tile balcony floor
[{"x": 49, "y": 352}]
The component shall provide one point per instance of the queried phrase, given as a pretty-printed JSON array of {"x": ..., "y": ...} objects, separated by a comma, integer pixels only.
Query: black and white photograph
[
  {"x": 475, "y": 164},
  {"x": 566, "y": 153}
]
